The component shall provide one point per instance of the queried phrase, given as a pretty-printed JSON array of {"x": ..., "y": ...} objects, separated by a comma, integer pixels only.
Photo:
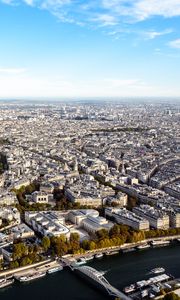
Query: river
[{"x": 122, "y": 270}]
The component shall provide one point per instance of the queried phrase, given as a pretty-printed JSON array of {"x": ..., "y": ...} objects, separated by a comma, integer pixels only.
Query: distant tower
[
  {"x": 66, "y": 168},
  {"x": 75, "y": 165},
  {"x": 123, "y": 170}
]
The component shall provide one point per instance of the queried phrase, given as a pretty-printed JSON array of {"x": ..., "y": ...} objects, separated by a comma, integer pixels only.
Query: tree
[
  {"x": 14, "y": 264},
  {"x": 102, "y": 234},
  {"x": 19, "y": 250},
  {"x": 74, "y": 243},
  {"x": 171, "y": 296},
  {"x": 46, "y": 243},
  {"x": 74, "y": 237},
  {"x": 61, "y": 247},
  {"x": 115, "y": 230},
  {"x": 85, "y": 244},
  {"x": 92, "y": 245},
  {"x": 25, "y": 261}
]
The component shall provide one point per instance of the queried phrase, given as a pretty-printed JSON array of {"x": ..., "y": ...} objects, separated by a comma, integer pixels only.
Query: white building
[
  {"x": 47, "y": 223},
  {"x": 157, "y": 218},
  {"x": 41, "y": 197},
  {"x": 123, "y": 216},
  {"x": 92, "y": 225}
]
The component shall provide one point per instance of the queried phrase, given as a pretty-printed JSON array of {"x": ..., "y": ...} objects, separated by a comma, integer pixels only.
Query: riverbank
[
  {"x": 126, "y": 246},
  {"x": 12, "y": 272},
  {"x": 120, "y": 271},
  {"x": 67, "y": 259}
]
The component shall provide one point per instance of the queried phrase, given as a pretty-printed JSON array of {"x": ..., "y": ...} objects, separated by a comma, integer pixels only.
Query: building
[
  {"x": 41, "y": 197},
  {"x": 47, "y": 223},
  {"x": 92, "y": 224},
  {"x": 174, "y": 218},
  {"x": 123, "y": 216},
  {"x": 21, "y": 231},
  {"x": 157, "y": 218},
  {"x": 7, "y": 253},
  {"x": 84, "y": 197},
  {"x": 46, "y": 188},
  {"x": 120, "y": 200},
  {"x": 77, "y": 216}
]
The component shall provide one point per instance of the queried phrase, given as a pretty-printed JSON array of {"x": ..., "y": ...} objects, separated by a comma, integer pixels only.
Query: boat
[
  {"x": 144, "y": 293},
  {"x": 5, "y": 282},
  {"x": 128, "y": 250},
  {"x": 141, "y": 283},
  {"x": 160, "y": 243},
  {"x": 98, "y": 255},
  {"x": 79, "y": 262},
  {"x": 88, "y": 258},
  {"x": 31, "y": 277},
  {"x": 112, "y": 252},
  {"x": 129, "y": 289},
  {"x": 151, "y": 296},
  {"x": 55, "y": 269},
  {"x": 143, "y": 247},
  {"x": 157, "y": 271}
]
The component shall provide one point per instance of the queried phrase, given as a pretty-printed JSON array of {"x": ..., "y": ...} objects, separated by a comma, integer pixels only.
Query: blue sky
[{"x": 92, "y": 48}]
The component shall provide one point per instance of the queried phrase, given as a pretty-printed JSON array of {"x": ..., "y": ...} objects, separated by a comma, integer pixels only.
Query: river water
[{"x": 122, "y": 270}]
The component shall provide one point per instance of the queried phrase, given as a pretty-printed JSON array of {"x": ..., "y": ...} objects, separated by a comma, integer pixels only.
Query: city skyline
[{"x": 89, "y": 48}]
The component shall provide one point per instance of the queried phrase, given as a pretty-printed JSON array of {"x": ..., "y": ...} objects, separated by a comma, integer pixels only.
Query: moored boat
[
  {"x": 143, "y": 246},
  {"x": 99, "y": 255},
  {"x": 129, "y": 289},
  {"x": 5, "y": 282},
  {"x": 157, "y": 270},
  {"x": 55, "y": 269},
  {"x": 79, "y": 262},
  {"x": 112, "y": 252},
  {"x": 160, "y": 243},
  {"x": 128, "y": 250},
  {"x": 31, "y": 277},
  {"x": 88, "y": 258}
]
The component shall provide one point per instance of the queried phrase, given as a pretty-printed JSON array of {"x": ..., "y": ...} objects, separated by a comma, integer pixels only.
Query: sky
[{"x": 92, "y": 48}]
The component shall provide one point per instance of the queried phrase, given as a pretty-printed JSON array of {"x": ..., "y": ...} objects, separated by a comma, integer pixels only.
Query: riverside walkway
[{"x": 12, "y": 272}]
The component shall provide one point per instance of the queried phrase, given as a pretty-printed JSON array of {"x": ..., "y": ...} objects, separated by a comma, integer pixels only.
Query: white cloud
[
  {"x": 110, "y": 11},
  {"x": 29, "y": 2},
  {"x": 12, "y": 70},
  {"x": 105, "y": 20},
  {"x": 9, "y": 2},
  {"x": 54, "y": 4},
  {"x": 175, "y": 44},
  {"x": 152, "y": 34},
  {"x": 148, "y": 8},
  {"x": 138, "y": 10}
]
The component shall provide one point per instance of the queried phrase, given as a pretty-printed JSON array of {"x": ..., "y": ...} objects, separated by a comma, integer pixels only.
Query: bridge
[{"x": 101, "y": 281}]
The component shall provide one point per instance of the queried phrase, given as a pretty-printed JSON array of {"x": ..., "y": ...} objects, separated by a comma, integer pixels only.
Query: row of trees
[
  {"x": 171, "y": 296},
  {"x": 23, "y": 254},
  {"x": 117, "y": 236},
  {"x": 161, "y": 232}
]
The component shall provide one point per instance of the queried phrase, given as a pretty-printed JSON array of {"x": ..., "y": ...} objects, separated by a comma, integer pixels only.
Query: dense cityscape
[
  {"x": 86, "y": 178},
  {"x": 90, "y": 149}
]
